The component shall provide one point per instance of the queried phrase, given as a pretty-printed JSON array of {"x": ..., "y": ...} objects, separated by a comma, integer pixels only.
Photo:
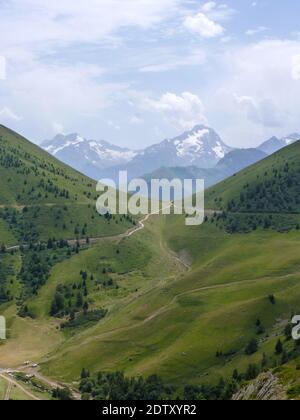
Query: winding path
[
  {"x": 53, "y": 384},
  {"x": 11, "y": 383},
  {"x": 132, "y": 231}
]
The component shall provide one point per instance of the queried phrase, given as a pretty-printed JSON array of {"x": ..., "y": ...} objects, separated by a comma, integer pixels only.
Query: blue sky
[{"x": 134, "y": 72}]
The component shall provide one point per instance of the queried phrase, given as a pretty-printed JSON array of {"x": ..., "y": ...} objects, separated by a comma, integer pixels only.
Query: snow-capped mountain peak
[
  {"x": 201, "y": 143},
  {"x": 290, "y": 139},
  {"x": 88, "y": 156},
  {"x": 274, "y": 143},
  {"x": 200, "y": 147},
  {"x": 60, "y": 142}
]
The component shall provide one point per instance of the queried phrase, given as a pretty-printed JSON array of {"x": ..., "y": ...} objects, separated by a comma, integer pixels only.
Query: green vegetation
[
  {"x": 114, "y": 386},
  {"x": 85, "y": 320},
  {"x": 202, "y": 307},
  {"x": 42, "y": 198},
  {"x": 265, "y": 195}
]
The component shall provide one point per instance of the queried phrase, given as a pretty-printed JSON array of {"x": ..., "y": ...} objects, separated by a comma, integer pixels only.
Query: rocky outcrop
[{"x": 265, "y": 388}]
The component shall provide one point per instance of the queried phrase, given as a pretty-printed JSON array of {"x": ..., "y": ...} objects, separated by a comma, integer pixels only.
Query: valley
[{"x": 149, "y": 296}]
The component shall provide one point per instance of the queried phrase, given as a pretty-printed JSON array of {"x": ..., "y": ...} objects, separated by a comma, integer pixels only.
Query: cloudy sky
[{"x": 134, "y": 72}]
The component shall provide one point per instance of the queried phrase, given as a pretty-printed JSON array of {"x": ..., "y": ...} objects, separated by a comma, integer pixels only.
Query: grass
[
  {"x": 3, "y": 387},
  {"x": 271, "y": 169},
  {"x": 176, "y": 329},
  {"x": 6, "y": 235},
  {"x": 42, "y": 198},
  {"x": 161, "y": 318}
]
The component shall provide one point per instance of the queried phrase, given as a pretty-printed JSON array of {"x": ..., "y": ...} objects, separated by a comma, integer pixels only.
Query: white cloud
[
  {"x": 205, "y": 22},
  {"x": 73, "y": 21},
  {"x": 50, "y": 47},
  {"x": 201, "y": 25},
  {"x": 58, "y": 128},
  {"x": 114, "y": 125},
  {"x": 296, "y": 67},
  {"x": 259, "y": 30},
  {"x": 209, "y": 6},
  {"x": 6, "y": 114},
  {"x": 170, "y": 61},
  {"x": 263, "y": 112},
  {"x": 182, "y": 111},
  {"x": 218, "y": 12},
  {"x": 71, "y": 95},
  {"x": 2, "y": 68},
  {"x": 257, "y": 94},
  {"x": 136, "y": 119}
]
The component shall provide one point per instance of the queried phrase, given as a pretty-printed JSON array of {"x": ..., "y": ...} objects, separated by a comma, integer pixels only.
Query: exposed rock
[{"x": 265, "y": 388}]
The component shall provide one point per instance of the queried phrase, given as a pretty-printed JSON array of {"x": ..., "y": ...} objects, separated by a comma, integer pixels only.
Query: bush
[{"x": 252, "y": 347}]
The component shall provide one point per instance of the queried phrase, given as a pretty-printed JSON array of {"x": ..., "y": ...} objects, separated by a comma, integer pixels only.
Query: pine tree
[{"x": 279, "y": 348}]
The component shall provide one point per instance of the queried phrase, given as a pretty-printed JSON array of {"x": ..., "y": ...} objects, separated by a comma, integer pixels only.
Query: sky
[{"x": 134, "y": 72}]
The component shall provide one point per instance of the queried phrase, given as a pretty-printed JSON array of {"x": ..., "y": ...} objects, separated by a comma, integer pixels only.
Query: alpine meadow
[{"x": 127, "y": 307}]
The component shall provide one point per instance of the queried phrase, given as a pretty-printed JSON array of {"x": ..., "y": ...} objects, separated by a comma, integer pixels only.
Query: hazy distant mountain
[
  {"x": 211, "y": 176},
  {"x": 200, "y": 147},
  {"x": 232, "y": 163},
  {"x": 239, "y": 159},
  {"x": 274, "y": 143},
  {"x": 88, "y": 156}
]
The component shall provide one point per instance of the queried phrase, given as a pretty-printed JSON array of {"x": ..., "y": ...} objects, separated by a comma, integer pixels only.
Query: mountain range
[
  {"x": 274, "y": 143},
  {"x": 200, "y": 148},
  {"x": 87, "y": 156},
  {"x": 233, "y": 162}
]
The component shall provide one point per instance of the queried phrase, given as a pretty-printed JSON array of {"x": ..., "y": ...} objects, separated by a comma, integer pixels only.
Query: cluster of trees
[
  {"x": 270, "y": 202},
  {"x": 72, "y": 301},
  {"x": 68, "y": 300},
  {"x": 85, "y": 319},
  {"x": 115, "y": 386},
  {"x": 37, "y": 262},
  {"x": 62, "y": 394},
  {"x": 245, "y": 223},
  {"x": 35, "y": 270},
  {"x": 5, "y": 271},
  {"x": 277, "y": 193}
]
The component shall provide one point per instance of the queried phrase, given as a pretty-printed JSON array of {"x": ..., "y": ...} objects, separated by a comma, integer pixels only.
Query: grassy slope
[
  {"x": 257, "y": 174},
  {"x": 177, "y": 330},
  {"x": 175, "y": 325},
  {"x": 60, "y": 200},
  {"x": 24, "y": 171},
  {"x": 165, "y": 319}
]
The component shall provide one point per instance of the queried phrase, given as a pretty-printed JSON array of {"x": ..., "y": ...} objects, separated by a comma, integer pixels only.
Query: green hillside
[
  {"x": 42, "y": 198},
  {"x": 200, "y": 306},
  {"x": 271, "y": 185},
  {"x": 264, "y": 196}
]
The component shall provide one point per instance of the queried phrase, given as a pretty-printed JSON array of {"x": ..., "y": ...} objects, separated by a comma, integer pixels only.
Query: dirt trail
[
  {"x": 38, "y": 375},
  {"x": 165, "y": 308},
  {"x": 51, "y": 383},
  {"x": 11, "y": 383},
  {"x": 8, "y": 390},
  {"x": 128, "y": 234}
]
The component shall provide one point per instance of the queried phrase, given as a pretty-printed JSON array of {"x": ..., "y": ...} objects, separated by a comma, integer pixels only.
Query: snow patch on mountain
[
  {"x": 274, "y": 144},
  {"x": 201, "y": 147},
  {"x": 192, "y": 145},
  {"x": 54, "y": 150}
]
